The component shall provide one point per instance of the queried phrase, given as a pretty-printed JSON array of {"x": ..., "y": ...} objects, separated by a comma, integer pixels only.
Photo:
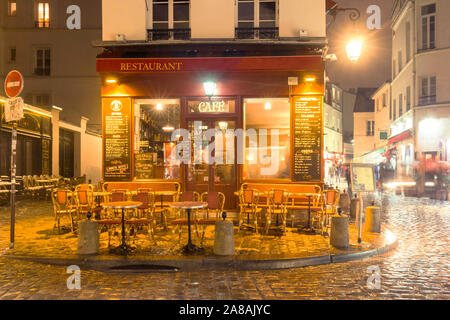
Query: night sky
[{"x": 374, "y": 66}]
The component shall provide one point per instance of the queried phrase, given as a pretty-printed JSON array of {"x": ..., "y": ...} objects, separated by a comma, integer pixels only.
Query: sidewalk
[{"x": 36, "y": 241}]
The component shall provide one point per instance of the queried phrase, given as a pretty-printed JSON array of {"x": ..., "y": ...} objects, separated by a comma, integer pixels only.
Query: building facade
[
  {"x": 254, "y": 66},
  {"x": 419, "y": 115},
  {"x": 58, "y": 63},
  {"x": 364, "y": 124}
]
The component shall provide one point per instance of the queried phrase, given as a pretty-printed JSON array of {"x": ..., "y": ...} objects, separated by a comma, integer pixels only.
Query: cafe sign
[{"x": 220, "y": 106}]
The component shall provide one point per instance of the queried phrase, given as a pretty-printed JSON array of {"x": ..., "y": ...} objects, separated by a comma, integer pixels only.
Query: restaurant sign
[
  {"x": 307, "y": 138},
  {"x": 116, "y": 139}
]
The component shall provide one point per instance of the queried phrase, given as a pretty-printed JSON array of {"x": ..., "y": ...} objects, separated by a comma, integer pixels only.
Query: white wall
[
  {"x": 212, "y": 19},
  {"x": 124, "y": 17},
  {"x": 382, "y": 121},
  {"x": 302, "y": 14},
  {"x": 362, "y": 142},
  {"x": 92, "y": 157}
]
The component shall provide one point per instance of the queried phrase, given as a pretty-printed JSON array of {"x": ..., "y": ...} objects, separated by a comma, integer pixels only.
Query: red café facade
[{"x": 144, "y": 99}]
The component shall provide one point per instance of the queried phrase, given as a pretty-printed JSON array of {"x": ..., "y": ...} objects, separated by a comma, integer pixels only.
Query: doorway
[{"x": 213, "y": 164}]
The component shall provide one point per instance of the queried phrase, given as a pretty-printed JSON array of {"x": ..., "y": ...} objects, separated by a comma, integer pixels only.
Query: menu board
[
  {"x": 363, "y": 178},
  {"x": 116, "y": 139},
  {"x": 307, "y": 138},
  {"x": 143, "y": 165}
]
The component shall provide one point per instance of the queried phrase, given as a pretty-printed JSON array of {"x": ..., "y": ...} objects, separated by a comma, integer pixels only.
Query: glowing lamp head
[
  {"x": 354, "y": 50},
  {"x": 159, "y": 106},
  {"x": 168, "y": 128},
  {"x": 210, "y": 88},
  {"x": 268, "y": 106},
  {"x": 111, "y": 81}
]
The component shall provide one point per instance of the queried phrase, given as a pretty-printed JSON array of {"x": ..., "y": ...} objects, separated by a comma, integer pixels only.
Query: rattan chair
[
  {"x": 212, "y": 213},
  {"x": 63, "y": 207},
  {"x": 248, "y": 209},
  {"x": 277, "y": 206}
]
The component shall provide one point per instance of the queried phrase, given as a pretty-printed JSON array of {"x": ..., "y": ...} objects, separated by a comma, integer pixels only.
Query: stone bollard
[
  {"x": 344, "y": 202},
  {"x": 373, "y": 219},
  {"x": 88, "y": 238},
  {"x": 224, "y": 237},
  {"x": 339, "y": 236},
  {"x": 354, "y": 207}
]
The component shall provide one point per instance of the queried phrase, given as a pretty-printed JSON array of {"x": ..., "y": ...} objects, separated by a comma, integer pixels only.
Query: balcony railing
[
  {"x": 256, "y": 33},
  {"x": 426, "y": 100},
  {"x": 168, "y": 34}
]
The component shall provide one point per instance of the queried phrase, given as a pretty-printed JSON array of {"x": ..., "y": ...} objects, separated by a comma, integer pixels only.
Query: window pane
[
  {"x": 160, "y": 12},
  {"x": 245, "y": 24},
  {"x": 154, "y": 158},
  {"x": 160, "y": 25},
  {"x": 267, "y": 24},
  {"x": 424, "y": 87},
  {"x": 181, "y": 25},
  {"x": 432, "y": 86},
  {"x": 246, "y": 11},
  {"x": 267, "y": 11},
  {"x": 424, "y": 34},
  {"x": 266, "y": 149},
  {"x": 181, "y": 12},
  {"x": 432, "y": 31}
]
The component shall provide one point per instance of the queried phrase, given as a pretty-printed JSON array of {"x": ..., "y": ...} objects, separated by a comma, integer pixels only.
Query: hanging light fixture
[
  {"x": 268, "y": 106},
  {"x": 223, "y": 125},
  {"x": 159, "y": 106},
  {"x": 210, "y": 88}
]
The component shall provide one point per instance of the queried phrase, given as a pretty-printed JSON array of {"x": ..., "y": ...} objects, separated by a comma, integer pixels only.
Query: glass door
[{"x": 213, "y": 158}]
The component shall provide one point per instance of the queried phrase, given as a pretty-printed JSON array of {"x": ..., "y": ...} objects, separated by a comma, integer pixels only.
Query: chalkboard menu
[
  {"x": 143, "y": 165},
  {"x": 307, "y": 138},
  {"x": 116, "y": 139}
]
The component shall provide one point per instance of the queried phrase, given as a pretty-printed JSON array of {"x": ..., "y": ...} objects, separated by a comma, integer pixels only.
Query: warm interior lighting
[
  {"x": 168, "y": 128},
  {"x": 210, "y": 88},
  {"x": 111, "y": 81},
  {"x": 223, "y": 125},
  {"x": 354, "y": 50},
  {"x": 159, "y": 106},
  {"x": 43, "y": 14},
  {"x": 310, "y": 79},
  {"x": 267, "y": 106}
]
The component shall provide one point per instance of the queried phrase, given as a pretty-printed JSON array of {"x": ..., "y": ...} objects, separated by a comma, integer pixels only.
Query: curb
[{"x": 206, "y": 263}]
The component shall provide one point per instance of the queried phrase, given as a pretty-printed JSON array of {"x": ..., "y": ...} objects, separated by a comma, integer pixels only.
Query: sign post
[
  {"x": 13, "y": 113},
  {"x": 363, "y": 180}
]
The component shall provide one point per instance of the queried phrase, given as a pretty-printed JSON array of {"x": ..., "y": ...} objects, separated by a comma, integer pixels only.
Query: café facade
[{"x": 150, "y": 91}]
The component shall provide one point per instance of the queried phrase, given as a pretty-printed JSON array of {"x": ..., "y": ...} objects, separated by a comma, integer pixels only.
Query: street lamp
[{"x": 354, "y": 50}]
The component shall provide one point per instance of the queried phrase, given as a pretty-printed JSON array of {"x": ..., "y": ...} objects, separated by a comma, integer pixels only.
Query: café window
[
  {"x": 170, "y": 20},
  {"x": 155, "y": 121},
  {"x": 43, "y": 15},
  {"x": 12, "y": 8},
  {"x": 267, "y": 155}
]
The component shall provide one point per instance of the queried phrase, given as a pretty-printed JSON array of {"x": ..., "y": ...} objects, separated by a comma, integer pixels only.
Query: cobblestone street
[{"x": 417, "y": 269}]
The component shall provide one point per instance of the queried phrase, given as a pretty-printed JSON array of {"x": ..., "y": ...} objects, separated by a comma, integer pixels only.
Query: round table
[
  {"x": 122, "y": 205},
  {"x": 188, "y": 206},
  {"x": 308, "y": 229}
]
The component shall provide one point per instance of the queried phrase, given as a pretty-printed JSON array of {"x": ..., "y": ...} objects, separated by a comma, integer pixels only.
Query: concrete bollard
[
  {"x": 339, "y": 236},
  {"x": 224, "y": 238},
  {"x": 355, "y": 206},
  {"x": 88, "y": 238},
  {"x": 344, "y": 202},
  {"x": 373, "y": 219}
]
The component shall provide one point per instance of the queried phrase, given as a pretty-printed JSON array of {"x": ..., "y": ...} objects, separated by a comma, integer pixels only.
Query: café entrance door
[{"x": 213, "y": 157}]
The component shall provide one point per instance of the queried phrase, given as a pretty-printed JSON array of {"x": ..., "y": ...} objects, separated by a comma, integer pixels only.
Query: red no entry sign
[{"x": 13, "y": 84}]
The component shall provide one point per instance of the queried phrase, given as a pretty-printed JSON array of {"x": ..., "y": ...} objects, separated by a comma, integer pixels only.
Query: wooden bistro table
[
  {"x": 308, "y": 229},
  {"x": 122, "y": 205},
  {"x": 188, "y": 206}
]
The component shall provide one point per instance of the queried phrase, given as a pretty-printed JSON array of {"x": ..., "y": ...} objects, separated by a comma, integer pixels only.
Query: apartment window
[
  {"x": 394, "y": 110},
  {"x": 384, "y": 100},
  {"x": 408, "y": 98},
  {"x": 400, "y": 61},
  {"x": 427, "y": 90},
  {"x": 42, "y": 65},
  {"x": 378, "y": 104},
  {"x": 428, "y": 26},
  {"x": 12, "y": 8},
  {"x": 12, "y": 55},
  {"x": 370, "y": 128},
  {"x": 393, "y": 69},
  {"x": 400, "y": 105},
  {"x": 43, "y": 15},
  {"x": 170, "y": 20},
  {"x": 408, "y": 41},
  {"x": 390, "y": 112},
  {"x": 42, "y": 100},
  {"x": 256, "y": 19}
]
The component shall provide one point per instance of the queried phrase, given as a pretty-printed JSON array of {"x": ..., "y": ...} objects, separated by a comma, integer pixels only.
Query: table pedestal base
[
  {"x": 122, "y": 250},
  {"x": 191, "y": 248}
]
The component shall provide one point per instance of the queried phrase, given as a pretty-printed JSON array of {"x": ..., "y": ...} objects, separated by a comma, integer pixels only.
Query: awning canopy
[{"x": 402, "y": 136}]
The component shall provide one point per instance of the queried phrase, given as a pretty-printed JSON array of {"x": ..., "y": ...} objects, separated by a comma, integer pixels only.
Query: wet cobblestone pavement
[{"x": 417, "y": 269}]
